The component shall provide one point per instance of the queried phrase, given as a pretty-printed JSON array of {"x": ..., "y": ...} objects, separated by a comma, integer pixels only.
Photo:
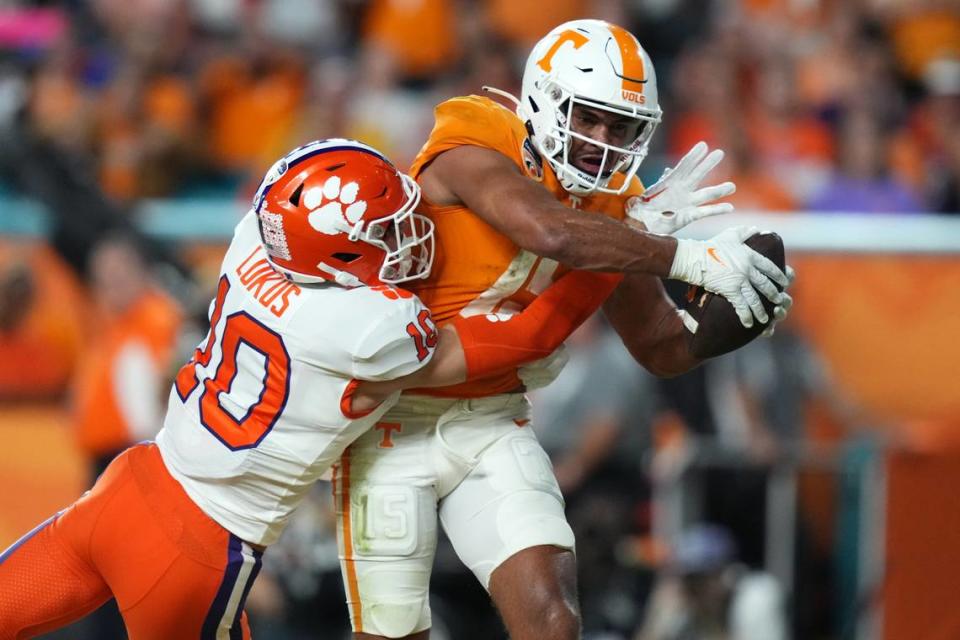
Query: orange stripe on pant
[
  {"x": 350, "y": 568},
  {"x": 136, "y": 536}
]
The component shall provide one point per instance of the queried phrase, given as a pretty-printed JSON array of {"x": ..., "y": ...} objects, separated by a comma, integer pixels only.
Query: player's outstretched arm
[
  {"x": 479, "y": 346},
  {"x": 491, "y": 186}
]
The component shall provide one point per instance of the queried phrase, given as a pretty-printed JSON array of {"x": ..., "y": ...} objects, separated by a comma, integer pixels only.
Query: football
[{"x": 720, "y": 330}]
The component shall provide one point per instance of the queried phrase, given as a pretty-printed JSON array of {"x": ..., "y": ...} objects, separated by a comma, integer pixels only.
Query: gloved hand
[
  {"x": 781, "y": 311},
  {"x": 674, "y": 201},
  {"x": 726, "y": 266},
  {"x": 540, "y": 373}
]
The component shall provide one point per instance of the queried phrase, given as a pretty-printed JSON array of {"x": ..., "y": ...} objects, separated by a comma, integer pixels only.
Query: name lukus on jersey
[{"x": 257, "y": 275}]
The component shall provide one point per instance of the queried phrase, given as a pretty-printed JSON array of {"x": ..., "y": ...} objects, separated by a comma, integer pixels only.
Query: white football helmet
[{"x": 598, "y": 65}]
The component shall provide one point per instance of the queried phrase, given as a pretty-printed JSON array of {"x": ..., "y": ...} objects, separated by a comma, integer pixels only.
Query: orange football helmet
[{"x": 338, "y": 210}]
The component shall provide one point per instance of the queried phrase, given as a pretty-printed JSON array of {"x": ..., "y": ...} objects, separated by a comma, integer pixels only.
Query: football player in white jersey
[{"x": 309, "y": 344}]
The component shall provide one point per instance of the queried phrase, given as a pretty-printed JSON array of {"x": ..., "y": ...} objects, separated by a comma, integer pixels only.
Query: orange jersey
[
  {"x": 476, "y": 269},
  {"x": 100, "y": 424}
]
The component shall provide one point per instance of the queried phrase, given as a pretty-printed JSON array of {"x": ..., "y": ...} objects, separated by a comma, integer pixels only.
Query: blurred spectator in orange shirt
[
  {"x": 848, "y": 65},
  {"x": 381, "y": 112},
  {"x": 827, "y": 71},
  {"x": 704, "y": 89},
  {"x": 40, "y": 330},
  {"x": 756, "y": 189},
  {"x": 789, "y": 141},
  {"x": 766, "y": 141},
  {"x": 490, "y": 62},
  {"x": 61, "y": 108},
  {"x": 325, "y": 110},
  {"x": 421, "y": 36},
  {"x": 253, "y": 100},
  {"x": 147, "y": 133},
  {"x": 523, "y": 22},
  {"x": 922, "y": 31},
  {"x": 119, "y": 388}
]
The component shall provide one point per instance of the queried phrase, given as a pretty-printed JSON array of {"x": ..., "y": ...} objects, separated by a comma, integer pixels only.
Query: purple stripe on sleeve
[{"x": 19, "y": 543}]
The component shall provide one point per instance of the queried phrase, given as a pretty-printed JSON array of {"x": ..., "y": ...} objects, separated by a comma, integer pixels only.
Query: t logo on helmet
[{"x": 578, "y": 40}]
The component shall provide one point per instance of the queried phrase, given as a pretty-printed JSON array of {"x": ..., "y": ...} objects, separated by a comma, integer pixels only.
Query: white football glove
[
  {"x": 674, "y": 201},
  {"x": 726, "y": 266},
  {"x": 781, "y": 311},
  {"x": 542, "y": 372}
]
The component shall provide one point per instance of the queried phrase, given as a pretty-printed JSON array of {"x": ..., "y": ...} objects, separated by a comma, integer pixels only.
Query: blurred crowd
[{"x": 823, "y": 105}]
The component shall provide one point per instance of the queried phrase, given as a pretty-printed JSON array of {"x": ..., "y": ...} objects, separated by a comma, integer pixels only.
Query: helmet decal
[
  {"x": 332, "y": 217},
  {"x": 532, "y": 162},
  {"x": 274, "y": 239},
  {"x": 337, "y": 210},
  {"x": 634, "y": 75},
  {"x": 578, "y": 40}
]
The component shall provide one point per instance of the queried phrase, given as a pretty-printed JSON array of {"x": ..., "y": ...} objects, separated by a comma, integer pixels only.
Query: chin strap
[
  {"x": 342, "y": 278},
  {"x": 503, "y": 94}
]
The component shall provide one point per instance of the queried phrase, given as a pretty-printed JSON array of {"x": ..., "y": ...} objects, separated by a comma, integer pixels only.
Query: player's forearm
[
  {"x": 595, "y": 242},
  {"x": 492, "y": 345},
  {"x": 669, "y": 355},
  {"x": 492, "y": 187},
  {"x": 447, "y": 367},
  {"x": 650, "y": 326},
  {"x": 578, "y": 239}
]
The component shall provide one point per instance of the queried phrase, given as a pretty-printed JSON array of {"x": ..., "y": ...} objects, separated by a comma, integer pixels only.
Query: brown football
[{"x": 719, "y": 329}]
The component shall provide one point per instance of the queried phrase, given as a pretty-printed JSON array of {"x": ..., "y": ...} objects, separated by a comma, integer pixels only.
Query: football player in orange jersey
[
  {"x": 309, "y": 344},
  {"x": 519, "y": 199}
]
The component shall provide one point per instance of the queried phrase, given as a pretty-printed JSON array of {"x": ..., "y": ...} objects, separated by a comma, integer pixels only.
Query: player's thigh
[
  {"x": 174, "y": 571},
  {"x": 43, "y": 587},
  {"x": 508, "y": 503},
  {"x": 195, "y": 600},
  {"x": 387, "y": 533},
  {"x": 51, "y": 577}
]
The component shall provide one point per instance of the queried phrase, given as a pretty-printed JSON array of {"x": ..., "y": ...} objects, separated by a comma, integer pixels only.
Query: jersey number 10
[{"x": 249, "y": 430}]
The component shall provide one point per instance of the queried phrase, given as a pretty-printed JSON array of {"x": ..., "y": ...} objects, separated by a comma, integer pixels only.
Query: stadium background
[{"x": 827, "y": 455}]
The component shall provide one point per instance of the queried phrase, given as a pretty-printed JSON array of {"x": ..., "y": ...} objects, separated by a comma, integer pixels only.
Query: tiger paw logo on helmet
[
  {"x": 325, "y": 211},
  {"x": 334, "y": 207}
]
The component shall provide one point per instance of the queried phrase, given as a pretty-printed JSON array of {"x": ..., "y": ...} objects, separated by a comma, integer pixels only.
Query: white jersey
[{"x": 262, "y": 409}]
